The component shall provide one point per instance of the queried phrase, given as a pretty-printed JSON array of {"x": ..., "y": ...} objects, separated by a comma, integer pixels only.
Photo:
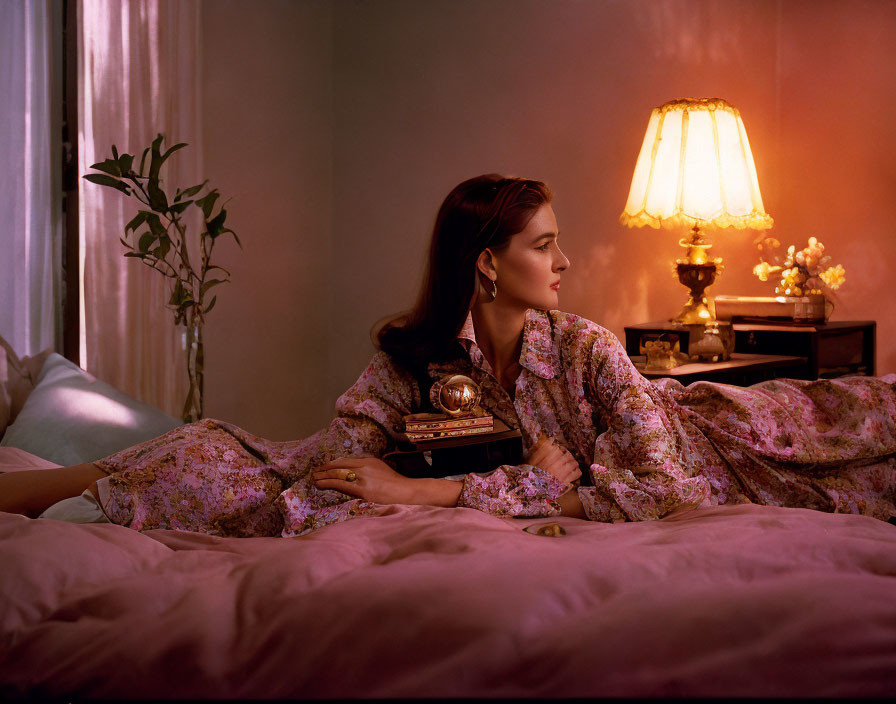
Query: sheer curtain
[
  {"x": 30, "y": 176},
  {"x": 138, "y": 75}
]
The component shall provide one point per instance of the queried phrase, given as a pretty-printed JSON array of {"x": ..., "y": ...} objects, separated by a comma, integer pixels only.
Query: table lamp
[{"x": 695, "y": 170}]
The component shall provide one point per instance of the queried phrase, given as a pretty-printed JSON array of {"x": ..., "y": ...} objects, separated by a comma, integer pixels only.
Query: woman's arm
[
  {"x": 445, "y": 492},
  {"x": 33, "y": 491},
  {"x": 375, "y": 481},
  {"x": 637, "y": 472},
  {"x": 571, "y": 505},
  {"x": 436, "y": 492}
]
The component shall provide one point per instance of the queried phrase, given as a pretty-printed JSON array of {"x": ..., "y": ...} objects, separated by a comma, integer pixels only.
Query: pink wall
[
  {"x": 267, "y": 133},
  {"x": 418, "y": 96},
  {"x": 837, "y": 122}
]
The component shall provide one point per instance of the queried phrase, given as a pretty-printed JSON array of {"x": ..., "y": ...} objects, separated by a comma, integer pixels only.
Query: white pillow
[{"x": 71, "y": 417}]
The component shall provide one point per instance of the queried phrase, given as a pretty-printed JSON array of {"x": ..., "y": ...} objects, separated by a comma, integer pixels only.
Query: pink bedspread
[{"x": 737, "y": 600}]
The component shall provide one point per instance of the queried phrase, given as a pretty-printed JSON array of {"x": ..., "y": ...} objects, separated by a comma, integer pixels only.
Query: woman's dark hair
[{"x": 483, "y": 212}]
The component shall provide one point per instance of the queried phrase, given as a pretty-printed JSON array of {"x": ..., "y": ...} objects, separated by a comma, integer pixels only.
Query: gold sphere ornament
[{"x": 456, "y": 395}]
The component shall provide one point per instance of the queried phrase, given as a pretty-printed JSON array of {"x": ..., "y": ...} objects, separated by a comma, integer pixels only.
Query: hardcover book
[
  {"x": 424, "y": 436},
  {"x": 428, "y": 422}
]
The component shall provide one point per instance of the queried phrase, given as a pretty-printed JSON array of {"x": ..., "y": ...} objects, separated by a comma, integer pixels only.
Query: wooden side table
[
  {"x": 740, "y": 370},
  {"x": 831, "y": 349},
  {"x": 825, "y": 350}
]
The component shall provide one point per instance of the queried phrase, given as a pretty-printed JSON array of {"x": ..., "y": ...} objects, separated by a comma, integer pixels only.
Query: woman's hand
[
  {"x": 555, "y": 459},
  {"x": 374, "y": 480}
]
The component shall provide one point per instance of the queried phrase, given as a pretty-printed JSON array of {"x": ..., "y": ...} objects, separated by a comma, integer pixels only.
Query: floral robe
[{"x": 645, "y": 448}]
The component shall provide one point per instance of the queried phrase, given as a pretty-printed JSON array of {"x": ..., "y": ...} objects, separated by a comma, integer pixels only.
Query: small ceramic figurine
[{"x": 660, "y": 354}]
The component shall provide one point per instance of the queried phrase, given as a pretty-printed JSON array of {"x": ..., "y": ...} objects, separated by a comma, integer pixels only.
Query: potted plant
[{"x": 158, "y": 236}]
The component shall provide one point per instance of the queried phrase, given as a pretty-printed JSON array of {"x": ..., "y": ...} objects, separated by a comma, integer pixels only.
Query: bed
[{"x": 738, "y": 600}]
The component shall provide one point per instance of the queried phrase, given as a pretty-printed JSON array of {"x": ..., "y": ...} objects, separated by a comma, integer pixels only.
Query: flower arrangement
[{"x": 802, "y": 273}]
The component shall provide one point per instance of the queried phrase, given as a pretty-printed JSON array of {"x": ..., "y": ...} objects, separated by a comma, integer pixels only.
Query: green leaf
[
  {"x": 146, "y": 240},
  {"x": 216, "y": 225},
  {"x": 177, "y": 294},
  {"x": 124, "y": 162},
  {"x": 215, "y": 266},
  {"x": 109, "y": 166},
  {"x": 138, "y": 220},
  {"x": 191, "y": 191},
  {"x": 164, "y": 247},
  {"x": 172, "y": 150},
  {"x": 181, "y": 297},
  {"x": 208, "y": 284},
  {"x": 211, "y": 305},
  {"x": 157, "y": 198},
  {"x": 135, "y": 254},
  {"x": 115, "y": 152},
  {"x": 227, "y": 229},
  {"x": 155, "y": 224},
  {"x": 207, "y": 203},
  {"x": 125, "y": 243},
  {"x": 143, "y": 159},
  {"x": 104, "y": 180},
  {"x": 178, "y": 208}
]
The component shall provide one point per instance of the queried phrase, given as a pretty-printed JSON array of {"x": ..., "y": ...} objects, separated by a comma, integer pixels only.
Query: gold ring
[{"x": 351, "y": 476}]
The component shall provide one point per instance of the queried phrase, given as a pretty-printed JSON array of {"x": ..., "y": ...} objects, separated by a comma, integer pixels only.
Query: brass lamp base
[
  {"x": 697, "y": 272},
  {"x": 697, "y": 278}
]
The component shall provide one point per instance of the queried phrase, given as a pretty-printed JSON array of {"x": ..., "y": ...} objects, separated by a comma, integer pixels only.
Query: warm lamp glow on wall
[{"x": 695, "y": 170}]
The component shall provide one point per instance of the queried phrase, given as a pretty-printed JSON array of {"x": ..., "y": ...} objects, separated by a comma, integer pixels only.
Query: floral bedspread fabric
[{"x": 645, "y": 448}]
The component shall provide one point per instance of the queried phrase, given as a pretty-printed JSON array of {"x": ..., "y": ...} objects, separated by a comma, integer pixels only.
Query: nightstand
[
  {"x": 740, "y": 370},
  {"x": 824, "y": 350},
  {"x": 831, "y": 349}
]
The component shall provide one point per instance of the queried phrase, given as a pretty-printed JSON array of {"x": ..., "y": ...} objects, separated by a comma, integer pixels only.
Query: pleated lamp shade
[{"x": 695, "y": 169}]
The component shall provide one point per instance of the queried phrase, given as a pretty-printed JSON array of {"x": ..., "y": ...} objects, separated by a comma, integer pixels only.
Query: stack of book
[
  {"x": 441, "y": 446},
  {"x": 424, "y": 427}
]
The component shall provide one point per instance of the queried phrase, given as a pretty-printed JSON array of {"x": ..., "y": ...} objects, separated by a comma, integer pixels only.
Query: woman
[{"x": 487, "y": 310}]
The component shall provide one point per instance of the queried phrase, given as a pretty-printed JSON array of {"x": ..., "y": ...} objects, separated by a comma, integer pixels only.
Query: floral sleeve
[
  {"x": 369, "y": 415},
  {"x": 637, "y": 470},
  {"x": 513, "y": 490}
]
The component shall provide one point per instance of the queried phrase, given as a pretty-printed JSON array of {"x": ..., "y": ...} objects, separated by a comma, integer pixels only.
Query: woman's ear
[
  {"x": 485, "y": 279},
  {"x": 485, "y": 264}
]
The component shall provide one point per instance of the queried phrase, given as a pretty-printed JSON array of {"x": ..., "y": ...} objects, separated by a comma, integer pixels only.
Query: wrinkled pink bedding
[{"x": 736, "y": 600}]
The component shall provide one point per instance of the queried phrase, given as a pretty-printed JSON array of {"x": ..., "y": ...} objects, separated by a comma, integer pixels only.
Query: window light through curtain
[
  {"x": 138, "y": 75},
  {"x": 30, "y": 176}
]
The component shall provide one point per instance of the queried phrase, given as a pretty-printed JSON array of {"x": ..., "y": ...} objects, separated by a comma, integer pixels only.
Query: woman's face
[{"x": 528, "y": 270}]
